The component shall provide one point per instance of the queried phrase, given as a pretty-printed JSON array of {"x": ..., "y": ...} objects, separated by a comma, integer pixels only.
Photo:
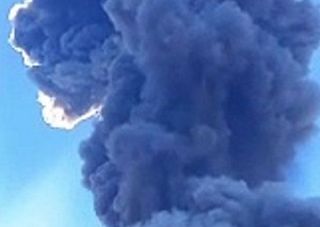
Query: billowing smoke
[{"x": 201, "y": 104}]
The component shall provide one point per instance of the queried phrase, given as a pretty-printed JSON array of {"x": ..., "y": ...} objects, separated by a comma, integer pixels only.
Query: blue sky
[{"x": 40, "y": 166}]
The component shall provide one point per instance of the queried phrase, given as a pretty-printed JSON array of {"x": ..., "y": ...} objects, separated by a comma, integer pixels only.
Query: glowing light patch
[
  {"x": 27, "y": 60},
  {"x": 33, "y": 207},
  {"x": 15, "y": 9},
  {"x": 54, "y": 199},
  {"x": 56, "y": 117}
]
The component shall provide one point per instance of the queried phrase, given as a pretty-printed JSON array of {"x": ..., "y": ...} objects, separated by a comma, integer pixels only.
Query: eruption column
[{"x": 201, "y": 104}]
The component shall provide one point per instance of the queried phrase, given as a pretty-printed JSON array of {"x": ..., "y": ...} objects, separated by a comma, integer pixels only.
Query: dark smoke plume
[{"x": 202, "y": 103}]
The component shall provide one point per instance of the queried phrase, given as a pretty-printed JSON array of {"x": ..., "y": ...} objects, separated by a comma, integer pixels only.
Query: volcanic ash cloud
[{"x": 200, "y": 104}]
